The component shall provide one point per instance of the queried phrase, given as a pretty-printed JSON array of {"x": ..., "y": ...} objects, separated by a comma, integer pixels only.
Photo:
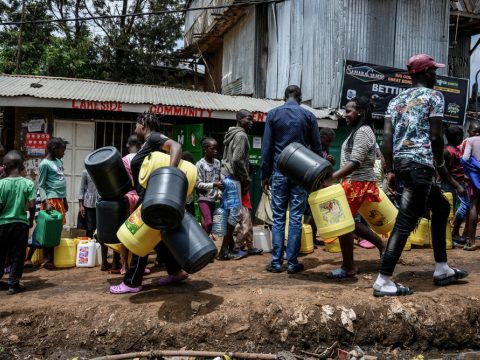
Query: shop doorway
[{"x": 81, "y": 139}]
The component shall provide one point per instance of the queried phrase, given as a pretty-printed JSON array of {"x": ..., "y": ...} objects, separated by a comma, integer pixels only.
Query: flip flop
[
  {"x": 124, "y": 289},
  {"x": 340, "y": 274},
  {"x": 365, "y": 244},
  {"x": 401, "y": 291},
  {"x": 147, "y": 271},
  {"x": 172, "y": 279},
  {"x": 444, "y": 280}
]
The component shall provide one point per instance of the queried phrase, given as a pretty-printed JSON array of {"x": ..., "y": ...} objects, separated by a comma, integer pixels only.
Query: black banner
[{"x": 384, "y": 83}]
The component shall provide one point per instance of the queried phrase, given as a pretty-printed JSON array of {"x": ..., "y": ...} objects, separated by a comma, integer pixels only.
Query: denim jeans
[
  {"x": 463, "y": 202},
  {"x": 286, "y": 193},
  {"x": 418, "y": 195}
]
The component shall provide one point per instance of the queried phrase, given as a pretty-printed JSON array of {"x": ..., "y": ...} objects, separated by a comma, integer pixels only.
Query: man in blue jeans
[{"x": 287, "y": 124}]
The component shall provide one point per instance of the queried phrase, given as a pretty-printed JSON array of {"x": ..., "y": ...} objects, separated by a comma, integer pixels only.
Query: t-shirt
[
  {"x": 472, "y": 148},
  {"x": 15, "y": 192},
  {"x": 51, "y": 180},
  {"x": 154, "y": 143},
  {"x": 207, "y": 173},
  {"x": 362, "y": 152},
  {"x": 410, "y": 113}
]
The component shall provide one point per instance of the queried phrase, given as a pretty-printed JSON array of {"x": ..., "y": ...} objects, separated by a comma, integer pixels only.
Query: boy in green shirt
[{"x": 17, "y": 195}]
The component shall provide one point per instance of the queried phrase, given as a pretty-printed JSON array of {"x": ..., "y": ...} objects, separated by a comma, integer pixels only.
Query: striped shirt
[{"x": 362, "y": 152}]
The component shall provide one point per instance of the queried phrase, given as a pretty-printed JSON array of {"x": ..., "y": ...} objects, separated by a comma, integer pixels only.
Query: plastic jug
[
  {"x": 220, "y": 222},
  {"x": 449, "y": 197},
  {"x": 190, "y": 245},
  {"x": 137, "y": 236},
  {"x": 159, "y": 159},
  {"x": 163, "y": 206},
  {"x": 98, "y": 254},
  {"x": 231, "y": 196},
  {"x": 37, "y": 257},
  {"x": 262, "y": 239},
  {"x": 331, "y": 212},
  {"x": 306, "y": 242},
  {"x": 49, "y": 228},
  {"x": 86, "y": 253},
  {"x": 421, "y": 235},
  {"x": 302, "y": 166},
  {"x": 380, "y": 216},
  {"x": 105, "y": 167},
  {"x": 332, "y": 245},
  {"x": 111, "y": 214},
  {"x": 65, "y": 253}
]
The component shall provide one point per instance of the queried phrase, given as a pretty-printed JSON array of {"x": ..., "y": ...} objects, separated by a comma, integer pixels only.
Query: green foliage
[{"x": 121, "y": 49}]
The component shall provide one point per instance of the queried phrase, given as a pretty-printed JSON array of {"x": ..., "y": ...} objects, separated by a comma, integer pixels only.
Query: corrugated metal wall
[{"x": 310, "y": 39}]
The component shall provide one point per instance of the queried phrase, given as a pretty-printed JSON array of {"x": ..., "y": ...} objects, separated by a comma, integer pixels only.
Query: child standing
[
  {"x": 17, "y": 195},
  {"x": 471, "y": 165},
  {"x": 53, "y": 186},
  {"x": 209, "y": 185}
]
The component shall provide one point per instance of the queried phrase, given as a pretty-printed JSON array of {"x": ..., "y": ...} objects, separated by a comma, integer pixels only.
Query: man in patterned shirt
[{"x": 413, "y": 137}]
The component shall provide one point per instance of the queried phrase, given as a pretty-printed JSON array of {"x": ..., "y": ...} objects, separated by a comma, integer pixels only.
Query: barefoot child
[
  {"x": 53, "y": 186},
  {"x": 17, "y": 195}
]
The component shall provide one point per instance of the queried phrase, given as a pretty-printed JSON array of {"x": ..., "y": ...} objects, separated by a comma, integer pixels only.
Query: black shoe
[
  {"x": 295, "y": 269},
  {"x": 14, "y": 289},
  {"x": 318, "y": 242},
  {"x": 273, "y": 269}
]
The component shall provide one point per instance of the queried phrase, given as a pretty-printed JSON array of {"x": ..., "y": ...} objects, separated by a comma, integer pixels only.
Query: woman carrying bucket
[
  {"x": 358, "y": 179},
  {"x": 148, "y": 130}
]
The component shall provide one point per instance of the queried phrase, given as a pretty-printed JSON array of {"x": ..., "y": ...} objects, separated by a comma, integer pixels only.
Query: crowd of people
[{"x": 414, "y": 168}]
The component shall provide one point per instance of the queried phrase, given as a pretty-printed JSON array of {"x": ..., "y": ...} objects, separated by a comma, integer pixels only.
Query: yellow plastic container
[
  {"x": 448, "y": 237},
  {"x": 306, "y": 244},
  {"x": 332, "y": 245},
  {"x": 421, "y": 235},
  {"x": 380, "y": 216},
  {"x": 408, "y": 245},
  {"x": 449, "y": 197},
  {"x": 37, "y": 257},
  {"x": 159, "y": 159},
  {"x": 65, "y": 253},
  {"x": 331, "y": 212},
  {"x": 137, "y": 237}
]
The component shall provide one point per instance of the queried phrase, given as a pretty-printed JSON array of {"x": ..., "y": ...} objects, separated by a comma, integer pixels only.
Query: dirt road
[{"x": 238, "y": 306}]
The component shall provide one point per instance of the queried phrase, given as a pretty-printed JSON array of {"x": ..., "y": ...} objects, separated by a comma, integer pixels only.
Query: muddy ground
[{"x": 238, "y": 306}]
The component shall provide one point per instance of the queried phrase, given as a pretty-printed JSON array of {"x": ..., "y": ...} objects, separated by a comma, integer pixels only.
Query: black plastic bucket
[
  {"x": 304, "y": 167},
  {"x": 164, "y": 202},
  {"x": 107, "y": 171},
  {"x": 190, "y": 245},
  {"x": 111, "y": 214}
]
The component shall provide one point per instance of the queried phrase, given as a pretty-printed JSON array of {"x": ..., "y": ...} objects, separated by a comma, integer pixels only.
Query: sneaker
[
  {"x": 14, "y": 289},
  {"x": 295, "y": 268},
  {"x": 273, "y": 268},
  {"x": 237, "y": 255}
]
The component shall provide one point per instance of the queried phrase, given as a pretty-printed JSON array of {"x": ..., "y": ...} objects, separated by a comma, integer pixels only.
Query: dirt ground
[{"x": 238, "y": 306}]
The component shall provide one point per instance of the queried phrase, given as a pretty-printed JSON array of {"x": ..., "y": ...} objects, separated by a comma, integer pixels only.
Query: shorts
[
  {"x": 357, "y": 192},
  {"x": 58, "y": 205}
]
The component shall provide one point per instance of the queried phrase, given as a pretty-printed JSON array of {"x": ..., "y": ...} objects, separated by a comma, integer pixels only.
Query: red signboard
[
  {"x": 97, "y": 105},
  {"x": 36, "y": 141}
]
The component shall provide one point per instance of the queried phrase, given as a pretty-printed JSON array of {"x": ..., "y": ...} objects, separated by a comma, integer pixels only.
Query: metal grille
[{"x": 113, "y": 133}]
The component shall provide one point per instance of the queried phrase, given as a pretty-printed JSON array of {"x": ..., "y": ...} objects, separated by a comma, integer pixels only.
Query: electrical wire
[{"x": 160, "y": 12}]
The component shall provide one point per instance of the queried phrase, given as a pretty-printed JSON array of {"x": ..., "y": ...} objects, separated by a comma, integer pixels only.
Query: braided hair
[
  {"x": 365, "y": 106},
  {"x": 150, "y": 121}
]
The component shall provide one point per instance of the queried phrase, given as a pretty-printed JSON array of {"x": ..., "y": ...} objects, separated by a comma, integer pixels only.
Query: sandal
[
  {"x": 365, "y": 244},
  {"x": 48, "y": 266},
  {"x": 340, "y": 274},
  {"x": 124, "y": 289},
  {"x": 147, "y": 271},
  {"x": 172, "y": 279},
  {"x": 401, "y": 291},
  {"x": 444, "y": 280}
]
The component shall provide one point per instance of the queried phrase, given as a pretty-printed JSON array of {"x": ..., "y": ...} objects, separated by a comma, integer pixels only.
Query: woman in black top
[{"x": 147, "y": 130}]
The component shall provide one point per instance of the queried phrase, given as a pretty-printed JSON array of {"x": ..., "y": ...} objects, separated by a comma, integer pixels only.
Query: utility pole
[{"x": 20, "y": 38}]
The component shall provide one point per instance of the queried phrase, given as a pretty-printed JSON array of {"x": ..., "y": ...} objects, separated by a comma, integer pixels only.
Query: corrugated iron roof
[{"x": 43, "y": 87}]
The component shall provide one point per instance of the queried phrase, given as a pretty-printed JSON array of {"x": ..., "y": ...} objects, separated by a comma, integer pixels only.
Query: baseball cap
[{"x": 421, "y": 62}]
